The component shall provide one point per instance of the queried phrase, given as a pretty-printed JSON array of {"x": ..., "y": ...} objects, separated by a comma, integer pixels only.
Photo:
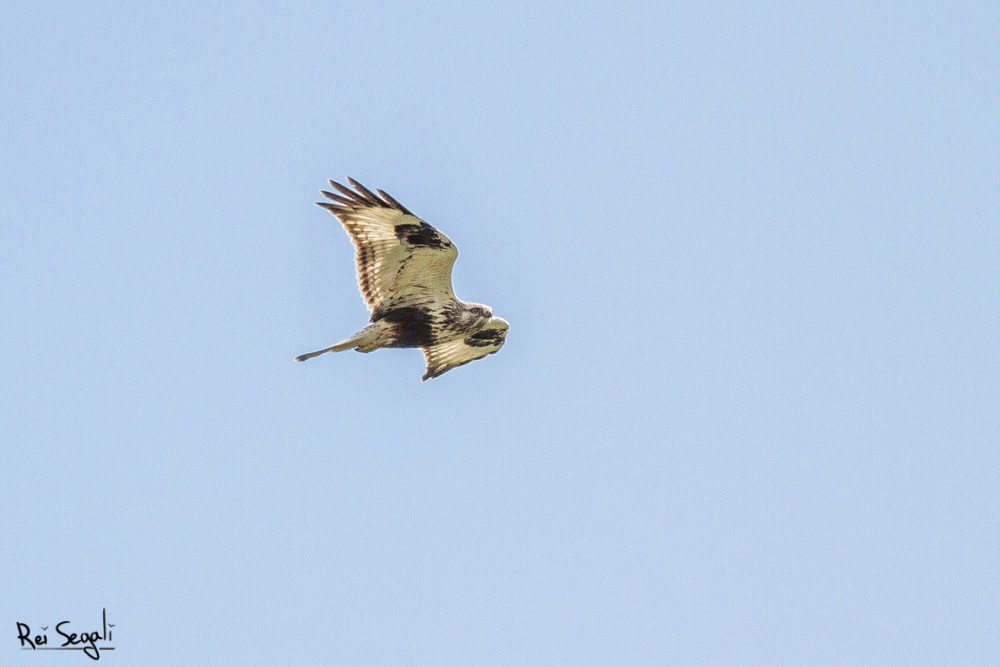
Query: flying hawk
[{"x": 404, "y": 272}]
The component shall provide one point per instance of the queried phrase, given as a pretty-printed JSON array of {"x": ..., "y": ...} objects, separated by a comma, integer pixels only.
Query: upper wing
[
  {"x": 397, "y": 254},
  {"x": 442, "y": 357}
]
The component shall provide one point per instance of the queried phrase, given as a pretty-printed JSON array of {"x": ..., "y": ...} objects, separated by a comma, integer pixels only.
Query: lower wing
[{"x": 442, "y": 357}]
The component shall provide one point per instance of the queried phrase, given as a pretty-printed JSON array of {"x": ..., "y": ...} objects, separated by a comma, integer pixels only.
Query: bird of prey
[{"x": 404, "y": 273}]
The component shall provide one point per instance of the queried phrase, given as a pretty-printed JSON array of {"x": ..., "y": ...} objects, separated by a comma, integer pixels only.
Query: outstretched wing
[
  {"x": 442, "y": 357},
  {"x": 398, "y": 255}
]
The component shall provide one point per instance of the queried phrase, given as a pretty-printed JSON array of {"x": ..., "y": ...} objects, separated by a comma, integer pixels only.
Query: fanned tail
[{"x": 362, "y": 339}]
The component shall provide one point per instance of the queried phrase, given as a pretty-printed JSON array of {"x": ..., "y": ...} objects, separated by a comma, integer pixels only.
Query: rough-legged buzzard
[{"x": 404, "y": 272}]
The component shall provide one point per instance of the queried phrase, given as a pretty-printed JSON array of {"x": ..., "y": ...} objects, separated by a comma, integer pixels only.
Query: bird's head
[
  {"x": 477, "y": 315},
  {"x": 481, "y": 311}
]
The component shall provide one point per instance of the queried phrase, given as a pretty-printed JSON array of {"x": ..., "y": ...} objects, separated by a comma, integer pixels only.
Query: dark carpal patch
[
  {"x": 486, "y": 338},
  {"x": 411, "y": 326},
  {"x": 421, "y": 235}
]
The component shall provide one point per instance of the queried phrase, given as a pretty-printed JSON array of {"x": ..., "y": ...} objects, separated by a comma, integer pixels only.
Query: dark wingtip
[
  {"x": 361, "y": 196},
  {"x": 346, "y": 191},
  {"x": 389, "y": 199},
  {"x": 365, "y": 193},
  {"x": 336, "y": 198}
]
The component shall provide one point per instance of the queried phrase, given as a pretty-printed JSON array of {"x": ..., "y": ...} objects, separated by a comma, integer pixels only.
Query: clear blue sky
[{"x": 747, "y": 413}]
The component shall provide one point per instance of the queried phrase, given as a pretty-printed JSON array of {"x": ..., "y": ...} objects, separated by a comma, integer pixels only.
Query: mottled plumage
[{"x": 404, "y": 274}]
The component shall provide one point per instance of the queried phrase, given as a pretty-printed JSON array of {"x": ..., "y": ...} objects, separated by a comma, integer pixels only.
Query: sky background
[{"x": 747, "y": 412}]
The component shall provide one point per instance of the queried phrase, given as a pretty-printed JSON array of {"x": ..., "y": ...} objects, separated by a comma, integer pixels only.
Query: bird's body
[{"x": 404, "y": 273}]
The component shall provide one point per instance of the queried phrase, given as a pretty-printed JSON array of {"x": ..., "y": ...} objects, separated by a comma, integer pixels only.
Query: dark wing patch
[
  {"x": 399, "y": 257},
  {"x": 487, "y": 338},
  {"x": 422, "y": 234}
]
